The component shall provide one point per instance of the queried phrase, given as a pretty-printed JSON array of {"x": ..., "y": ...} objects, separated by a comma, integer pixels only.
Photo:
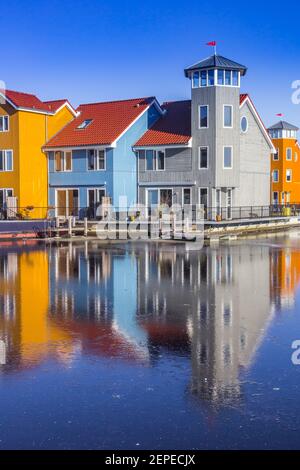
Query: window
[
  {"x": 227, "y": 77},
  {"x": 187, "y": 196},
  {"x": 203, "y": 116},
  {"x": 195, "y": 80},
  {"x": 203, "y": 78},
  {"x": 227, "y": 116},
  {"x": 276, "y": 155},
  {"x": 84, "y": 124},
  {"x": 6, "y": 160},
  {"x": 220, "y": 77},
  {"x": 211, "y": 77},
  {"x": 227, "y": 157},
  {"x": 289, "y": 154},
  {"x": 63, "y": 161},
  {"x": 203, "y": 157},
  {"x": 235, "y": 78},
  {"x": 244, "y": 124},
  {"x": 203, "y": 197},
  {"x": 275, "y": 176},
  {"x": 296, "y": 157},
  {"x": 96, "y": 160},
  {"x": 289, "y": 176},
  {"x": 4, "y": 124},
  {"x": 4, "y": 194},
  {"x": 155, "y": 160}
]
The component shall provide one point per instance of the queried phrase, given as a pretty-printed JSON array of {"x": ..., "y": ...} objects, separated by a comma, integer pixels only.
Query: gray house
[{"x": 213, "y": 149}]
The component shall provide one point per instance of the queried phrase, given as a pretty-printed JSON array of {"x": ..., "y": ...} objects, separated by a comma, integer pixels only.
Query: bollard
[{"x": 85, "y": 226}]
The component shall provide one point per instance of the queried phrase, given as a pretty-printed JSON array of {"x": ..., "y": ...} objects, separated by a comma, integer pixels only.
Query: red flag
[
  {"x": 279, "y": 114},
  {"x": 211, "y": 43}
]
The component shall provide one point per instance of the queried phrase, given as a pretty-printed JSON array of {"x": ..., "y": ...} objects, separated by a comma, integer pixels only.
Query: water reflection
[{"x": 140, "y": 304}]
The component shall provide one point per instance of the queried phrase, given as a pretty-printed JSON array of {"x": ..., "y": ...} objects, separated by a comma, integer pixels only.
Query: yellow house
[{"x": 26, "y": 123}]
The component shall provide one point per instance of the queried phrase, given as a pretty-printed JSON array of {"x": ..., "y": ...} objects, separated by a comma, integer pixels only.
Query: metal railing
[{"x": 216, "y": 214}]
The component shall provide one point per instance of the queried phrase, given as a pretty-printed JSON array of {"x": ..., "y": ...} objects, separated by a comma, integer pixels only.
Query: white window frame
[
  {"x": 289, "y": 150},
  {"x": 155, "y": 159},
  {"x": 97, "y": 159},
  {"x": 159, "y": 189},
  {"x": 5, "y": 193},
  {"x": 229, "y": 106},
  {"x": 277, "y": 153},
  {"x": 3, "y": 120},
  {"x": 193, "y": 85},
  {"x": 199, "y": 157},
  {"x": 67, "y": 199},
  {"x": 286, "y": 175},
  {"x": 94, "y": 188},
  {"x": 4, "y": 151},
  {"x": 275, "y": 181},
  {"x": 64, "y": 152},
  {"x": 244, "y": 117},
  {"x": 227, "y": 167},
  {"x": 199, "y": 194},
  {"x": 191, "y": 194},
  {"x": 199, "y": 116}
]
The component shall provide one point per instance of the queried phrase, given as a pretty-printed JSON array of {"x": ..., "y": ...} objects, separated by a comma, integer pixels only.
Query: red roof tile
[
  {"x": 172, "y": 128},
  {"x": 29, "y": 101},
  {"x": 54, "y": 105},
  {"x": 109, "y": 120},
  {"x": 25, "y": 100},
  {"x": 243, "y": 96}
]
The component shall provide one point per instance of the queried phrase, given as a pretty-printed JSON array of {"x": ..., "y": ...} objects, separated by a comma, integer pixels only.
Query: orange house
[{"x": 285, "y": 164}]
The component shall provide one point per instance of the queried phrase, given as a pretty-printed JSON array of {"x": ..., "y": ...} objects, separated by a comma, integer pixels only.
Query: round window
[{"x": 244, "y": 124}]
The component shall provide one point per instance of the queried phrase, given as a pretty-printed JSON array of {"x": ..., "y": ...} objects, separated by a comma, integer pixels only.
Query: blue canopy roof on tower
[
  {"x": 216, "y": 62},
  {"x": 284, "y": 125}
]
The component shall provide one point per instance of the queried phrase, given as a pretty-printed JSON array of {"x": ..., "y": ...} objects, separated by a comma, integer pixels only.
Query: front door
[
  {"x": 67, "y": 202},
  {"x": 95, "y": 196}
]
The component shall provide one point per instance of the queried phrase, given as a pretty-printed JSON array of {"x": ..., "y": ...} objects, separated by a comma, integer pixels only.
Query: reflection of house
[
  {"x": 24, "y": 298},
  {"x": 285, "y": 273},
  {"x": 90, "y": 289},
  {"x": 215, "y": 302}
]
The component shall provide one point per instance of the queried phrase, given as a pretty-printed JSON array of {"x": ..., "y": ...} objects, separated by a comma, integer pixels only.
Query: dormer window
[{"x": 84, "y": 124}]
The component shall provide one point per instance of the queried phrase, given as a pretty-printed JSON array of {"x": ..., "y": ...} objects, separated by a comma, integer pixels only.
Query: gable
[{"x": 247, "y": 104}]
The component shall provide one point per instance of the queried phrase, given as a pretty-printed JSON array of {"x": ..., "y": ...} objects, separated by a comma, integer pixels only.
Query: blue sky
[{"x": 98, "y": 50}]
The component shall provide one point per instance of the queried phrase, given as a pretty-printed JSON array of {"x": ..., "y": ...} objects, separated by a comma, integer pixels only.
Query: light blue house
[{"x": 92, "y": 156}]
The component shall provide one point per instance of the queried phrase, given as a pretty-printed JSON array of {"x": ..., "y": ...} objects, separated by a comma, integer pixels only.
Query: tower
[
  {"x": 285, "y": 169},
  {"x": 215, "y": 127}
]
